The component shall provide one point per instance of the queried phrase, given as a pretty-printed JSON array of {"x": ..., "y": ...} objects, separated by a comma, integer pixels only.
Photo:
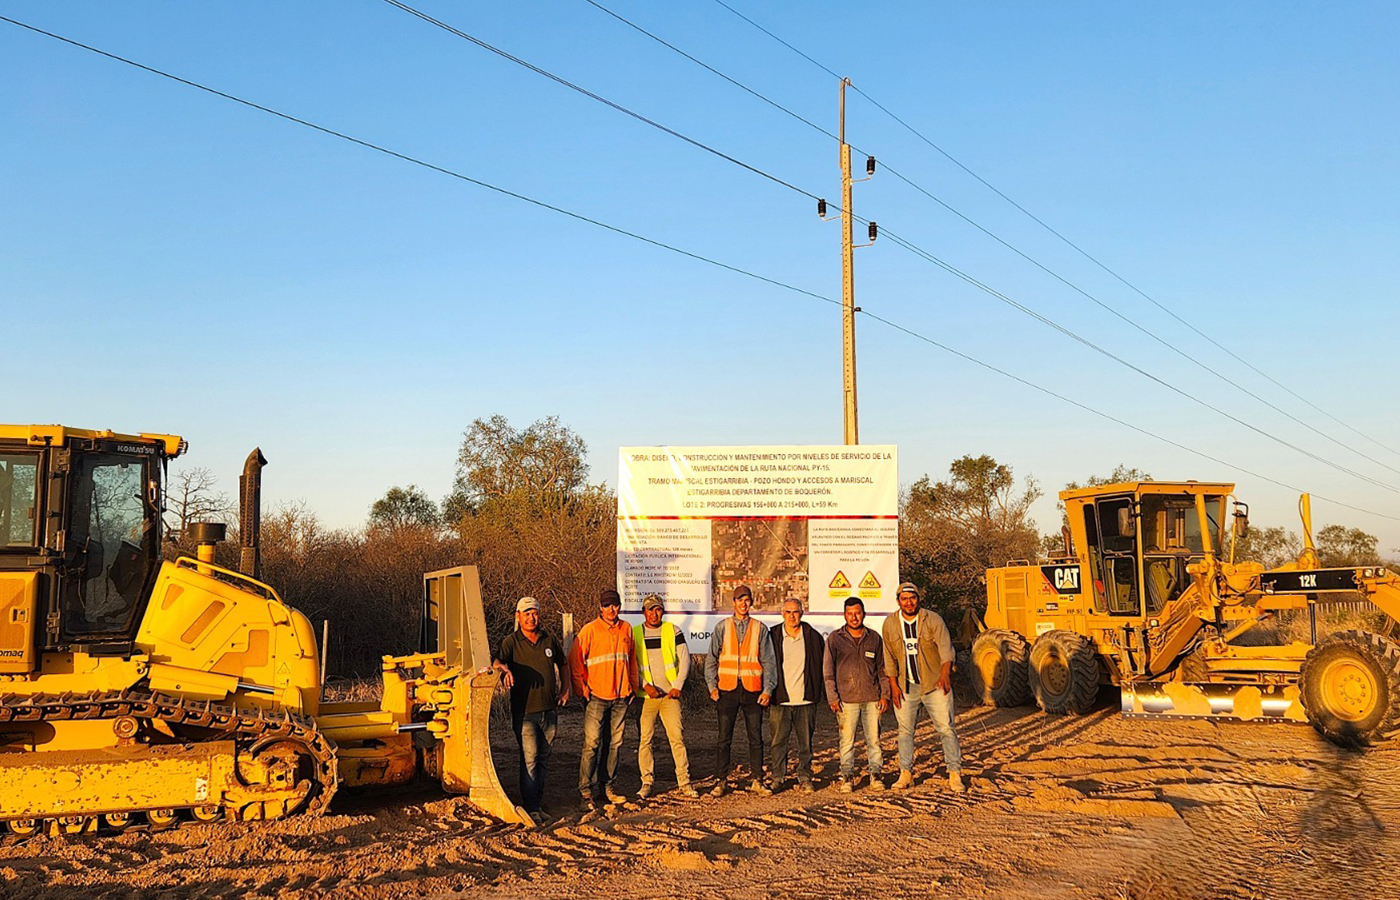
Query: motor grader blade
[{"x": 1235, "y": 702}]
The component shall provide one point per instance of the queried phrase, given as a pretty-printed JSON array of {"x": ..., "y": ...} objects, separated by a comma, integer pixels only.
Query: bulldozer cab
[
  {"x": 80, "y": 526},
  {"x": 1138, "y": 539}
]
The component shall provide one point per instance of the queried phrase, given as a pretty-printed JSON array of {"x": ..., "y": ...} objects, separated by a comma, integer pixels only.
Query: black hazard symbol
[
  {"x": 840, "y": 582},
  {"x": 869, "y": 582}
]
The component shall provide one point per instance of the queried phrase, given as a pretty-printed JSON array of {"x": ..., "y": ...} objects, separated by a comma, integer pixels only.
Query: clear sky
[{"x": 173, "y": 262}]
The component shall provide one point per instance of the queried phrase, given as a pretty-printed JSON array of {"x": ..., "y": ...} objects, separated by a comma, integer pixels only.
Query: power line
[
  {"x": 1077, "y": 248},
  {"x": 709, "y": 68},
  {"x": 686, "y": 253},
  {"x": 1047, "y": 270},
  {"x": 1107, "y": 416},
  {"x": 1075, "y": 336},
  {"x": 415, "y": 160},
  {"x": 601, "y": 99}
]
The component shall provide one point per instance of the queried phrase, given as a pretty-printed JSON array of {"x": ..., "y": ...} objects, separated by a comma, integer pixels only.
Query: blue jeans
[
  {"x": 591, "y": 781},
  {"x": 939, "y": 706},
  {"x": 848, "y": 716},
  {"x": 534, "y": 732}
]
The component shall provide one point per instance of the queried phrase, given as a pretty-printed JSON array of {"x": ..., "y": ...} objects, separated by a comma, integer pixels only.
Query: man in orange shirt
[{"x": 603, "y": 667}]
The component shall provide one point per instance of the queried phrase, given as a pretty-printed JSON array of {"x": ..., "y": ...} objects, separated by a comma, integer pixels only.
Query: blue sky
[{"x": 170, "y": 261}]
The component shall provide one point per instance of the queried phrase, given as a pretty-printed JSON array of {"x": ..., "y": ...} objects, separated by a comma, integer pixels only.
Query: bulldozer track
[{"x": 247, "y": 728}]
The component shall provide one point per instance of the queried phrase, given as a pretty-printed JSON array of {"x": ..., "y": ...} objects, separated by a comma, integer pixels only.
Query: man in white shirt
[{"x": 797, "y": 648}]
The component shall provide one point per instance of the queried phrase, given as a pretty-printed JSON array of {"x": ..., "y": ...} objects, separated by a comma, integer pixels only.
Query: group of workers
[{"x": 748, "y": 668}]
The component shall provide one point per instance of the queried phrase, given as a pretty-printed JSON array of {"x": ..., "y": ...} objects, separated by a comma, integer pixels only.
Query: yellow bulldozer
[
  {"x": 140, "y": 692},
  {"x": 1147, "y": 595}
]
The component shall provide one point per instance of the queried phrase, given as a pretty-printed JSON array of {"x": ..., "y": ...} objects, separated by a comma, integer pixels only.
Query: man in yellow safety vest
[
  {"x": 665, "y": 662},
  {"x": 742, "y": 674}
]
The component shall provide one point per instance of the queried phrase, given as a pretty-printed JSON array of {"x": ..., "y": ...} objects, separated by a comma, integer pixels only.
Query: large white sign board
[{"x": 815, "y": 523}]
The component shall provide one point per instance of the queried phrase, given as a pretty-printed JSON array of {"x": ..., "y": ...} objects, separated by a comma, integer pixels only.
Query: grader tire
[
  {"x": 1351, "y": 687},
  {"x": 1000, "y": 673},
  {"x": 1064, "y": 673}
]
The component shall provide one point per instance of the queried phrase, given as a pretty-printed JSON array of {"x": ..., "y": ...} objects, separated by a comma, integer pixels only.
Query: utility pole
[
  {"x": 848, "y": 275},
  {"x": 848, "y": 285}
]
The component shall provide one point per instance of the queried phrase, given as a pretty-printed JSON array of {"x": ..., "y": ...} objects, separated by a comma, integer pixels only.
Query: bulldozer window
[
  {"x": 18, "y": 509},
  {"x": 109, "y": 551}
]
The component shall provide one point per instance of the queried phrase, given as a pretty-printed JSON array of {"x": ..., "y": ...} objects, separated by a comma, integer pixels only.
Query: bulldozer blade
[{"x": 1244, "y": 703}]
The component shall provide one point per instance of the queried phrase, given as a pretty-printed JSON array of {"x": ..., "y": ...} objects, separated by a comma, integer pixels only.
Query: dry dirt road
[{"x": 1091, "y": 807}]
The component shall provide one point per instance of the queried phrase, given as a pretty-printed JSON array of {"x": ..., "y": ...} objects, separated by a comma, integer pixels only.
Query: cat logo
[
  {"x": 869, "y": 582},
  {"x": 840, "y": 582},
  {"x": 1060, "y": 579}
]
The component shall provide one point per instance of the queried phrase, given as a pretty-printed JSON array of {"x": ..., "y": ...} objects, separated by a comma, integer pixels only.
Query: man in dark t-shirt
[{"x": 531, "y": 662}]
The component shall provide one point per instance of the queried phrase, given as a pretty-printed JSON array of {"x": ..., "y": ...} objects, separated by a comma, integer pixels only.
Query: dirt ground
[{"x": 1091, "y": 807}]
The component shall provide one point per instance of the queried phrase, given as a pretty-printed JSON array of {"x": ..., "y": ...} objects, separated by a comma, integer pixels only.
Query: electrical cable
[
  {"x": 601, "y": 99},
  {"x": 1078, "y": 249},
  {"x": 1103, "y": 351},
  {"x": 416, "y": 161},
  {"x": 691, "y": 255},
  {"x": 1009, "y": 246}
]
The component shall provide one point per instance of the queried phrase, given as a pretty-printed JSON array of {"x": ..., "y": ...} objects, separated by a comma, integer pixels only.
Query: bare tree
[{"x": 190, "y": 497}]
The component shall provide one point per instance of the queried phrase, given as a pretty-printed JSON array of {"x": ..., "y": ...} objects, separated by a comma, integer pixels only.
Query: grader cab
[
  {"x": 139, "y": 692},
  {"x": 1148, "y": 595}
]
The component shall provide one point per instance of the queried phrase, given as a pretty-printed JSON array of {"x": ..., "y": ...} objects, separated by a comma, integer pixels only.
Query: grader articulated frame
[{"x": 1148, "y": 596}]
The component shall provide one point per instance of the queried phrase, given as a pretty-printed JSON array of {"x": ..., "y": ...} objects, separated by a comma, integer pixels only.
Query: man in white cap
[
  {"x": 532, "y": 664},
  {"x": 919, "y": 664},
  {"x": 664, "y": 660}
]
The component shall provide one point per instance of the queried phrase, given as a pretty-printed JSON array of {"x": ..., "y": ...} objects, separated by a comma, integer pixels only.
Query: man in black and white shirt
[{"x": 919, "y": 664}]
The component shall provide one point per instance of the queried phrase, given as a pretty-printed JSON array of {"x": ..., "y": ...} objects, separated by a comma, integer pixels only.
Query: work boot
[
  {"x": 758, "y": 787},
  {"x": 875, "y": 783},
  {"x": 688, "y": 791},
  {"x": 805, "y": 785},
  {"x": 613, "y": 796},
  {"x": 906, "y": 778},
  {"x": 720, "y": 789},
  {"x": 645, "y": 792},
  {"x": 955, "y": 782},
  {"x": 843, "y": 784},
  {"x": 585, "y": 804}
]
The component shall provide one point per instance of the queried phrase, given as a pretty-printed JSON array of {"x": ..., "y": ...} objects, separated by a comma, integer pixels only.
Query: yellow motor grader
[
  {"x": 1148, "y": 595},
  {"x": 139, "y": 692}
]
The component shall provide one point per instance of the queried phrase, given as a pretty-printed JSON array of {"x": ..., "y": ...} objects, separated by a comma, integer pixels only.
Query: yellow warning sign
[
  {"x": 869, "y": 582},
  {"x": 840, "y": 582}
]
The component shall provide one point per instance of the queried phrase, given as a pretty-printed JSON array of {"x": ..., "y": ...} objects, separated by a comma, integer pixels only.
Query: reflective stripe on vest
[
  {"x": 670, "y": 657},
  {"x": 740, "y": 664}
]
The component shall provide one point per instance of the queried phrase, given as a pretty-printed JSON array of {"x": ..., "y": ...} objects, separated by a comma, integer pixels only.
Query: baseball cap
[
  {"x": 527, "y": 603},
  {"x": 742, "y": 591},
  {"x": 609, "y": 597},
  {"x": 907, "y": 588},
  {"x": 653, "y": 601}
]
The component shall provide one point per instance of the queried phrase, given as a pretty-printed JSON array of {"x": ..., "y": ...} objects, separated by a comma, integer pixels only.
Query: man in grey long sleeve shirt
[{"x": 742, "y": 674}]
